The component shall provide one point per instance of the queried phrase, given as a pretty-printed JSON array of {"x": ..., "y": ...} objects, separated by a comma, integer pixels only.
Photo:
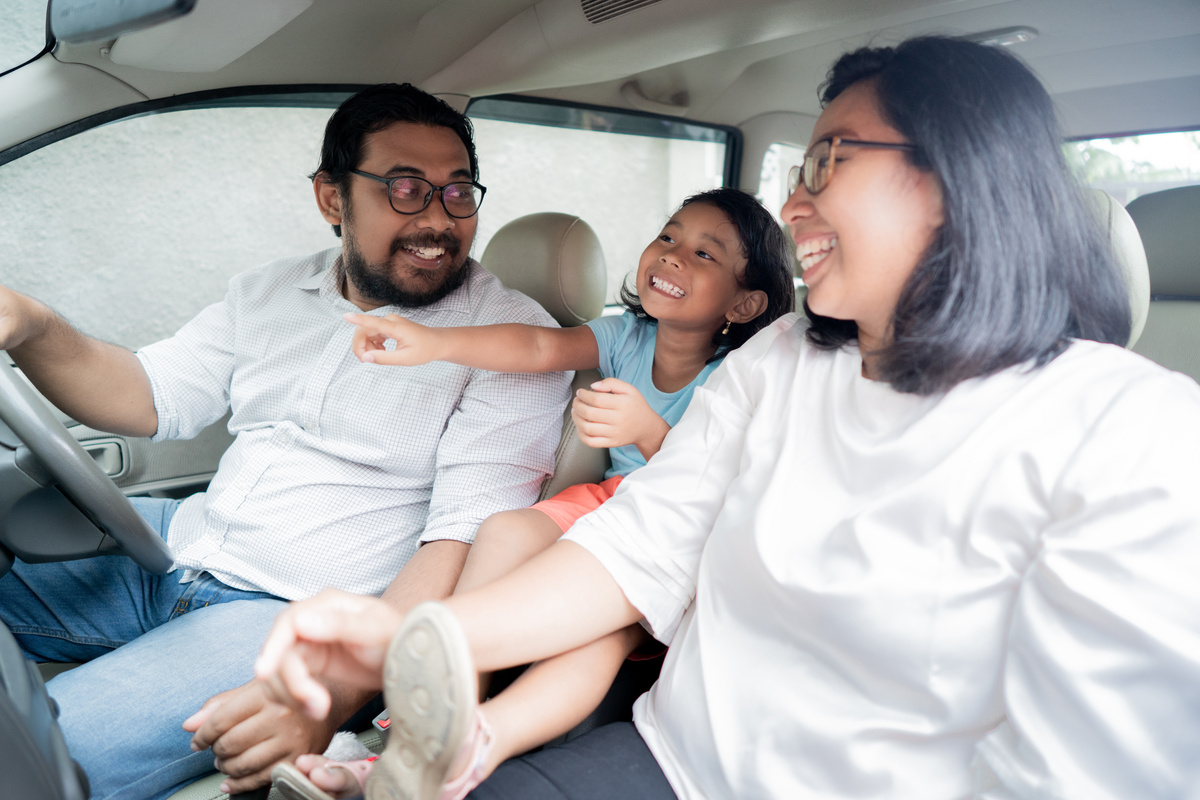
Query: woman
[{"x": 941, "y": 541}]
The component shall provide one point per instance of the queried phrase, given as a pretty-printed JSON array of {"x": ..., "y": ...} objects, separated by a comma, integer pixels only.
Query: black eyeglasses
[
  {"x": 817, "y": 170},
  {"x": 409, "y": 194}
]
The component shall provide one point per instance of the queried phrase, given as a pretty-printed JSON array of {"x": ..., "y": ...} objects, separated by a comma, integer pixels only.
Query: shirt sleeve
[
  {"x": 611, "y": 334},
  {"x": 1103, "y": 660},
  {"x": 191, "y": 372},
  {"x": 651, "y": 534},
  {"x": 498, "y": 447}
]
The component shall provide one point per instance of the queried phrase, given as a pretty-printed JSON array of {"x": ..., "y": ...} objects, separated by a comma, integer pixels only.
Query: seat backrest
[
  {"x": 1131, "y": 256},
  {"x": 556, "y": 259},
  {"x": 1169, "y": 224}
]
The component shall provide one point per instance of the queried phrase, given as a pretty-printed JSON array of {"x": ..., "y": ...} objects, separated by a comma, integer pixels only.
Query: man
[{"x": 342, "y": 473}]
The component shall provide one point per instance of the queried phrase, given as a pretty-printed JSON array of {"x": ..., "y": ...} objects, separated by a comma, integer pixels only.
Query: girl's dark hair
[
  {"x": 768, "y": 257},
  {"x": 374, "y": 109},
  {"x": 1020, "y": 265}
]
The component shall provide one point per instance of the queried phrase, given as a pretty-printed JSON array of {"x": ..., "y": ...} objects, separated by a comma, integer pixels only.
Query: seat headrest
[
  {"x": 1169, "y": 222},
  {"x": 554, "y": 258},
  {"x": 1127, "y": 244}
]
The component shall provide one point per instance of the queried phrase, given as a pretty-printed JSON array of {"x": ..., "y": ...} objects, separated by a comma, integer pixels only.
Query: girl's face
[
  {"x": 688, "y": 276},
  {"x": 859, "y": 240}
]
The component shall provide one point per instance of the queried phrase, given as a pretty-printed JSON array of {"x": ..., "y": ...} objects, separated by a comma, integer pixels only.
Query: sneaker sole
[{"x": 429, "y": 686}]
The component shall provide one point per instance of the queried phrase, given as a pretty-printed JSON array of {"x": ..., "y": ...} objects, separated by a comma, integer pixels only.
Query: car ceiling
[{"x": 1113, "y": 66}]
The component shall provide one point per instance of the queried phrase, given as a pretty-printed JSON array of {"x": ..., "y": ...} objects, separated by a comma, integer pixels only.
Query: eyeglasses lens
[
  {"x": 411, "y": 195},
  {"x": 816, "y": 169},
  {"x": 817, "y": 166},
  {"x": 794, "y": 179}
]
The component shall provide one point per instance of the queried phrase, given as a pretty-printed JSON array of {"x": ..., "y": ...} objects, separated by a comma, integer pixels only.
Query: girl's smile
[{"x": 688, "y": 277}]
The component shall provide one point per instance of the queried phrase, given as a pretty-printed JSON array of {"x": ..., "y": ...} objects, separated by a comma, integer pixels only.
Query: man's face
[{"x": 400, "y": 259}]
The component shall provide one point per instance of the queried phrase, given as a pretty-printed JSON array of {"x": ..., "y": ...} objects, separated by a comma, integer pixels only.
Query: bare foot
[{"x": 315, "y": 777}]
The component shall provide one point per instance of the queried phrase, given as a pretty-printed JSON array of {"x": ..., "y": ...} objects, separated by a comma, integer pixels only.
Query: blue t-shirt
[{"x": 626, "y": 346}]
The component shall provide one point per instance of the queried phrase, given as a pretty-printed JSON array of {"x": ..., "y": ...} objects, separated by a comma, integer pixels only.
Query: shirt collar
[{"x": 327, "y": 280}]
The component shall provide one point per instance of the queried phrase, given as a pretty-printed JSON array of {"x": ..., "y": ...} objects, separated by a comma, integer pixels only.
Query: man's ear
[
  {"x": 750, "y": 306},
  {"x": 329, "y": 198}
]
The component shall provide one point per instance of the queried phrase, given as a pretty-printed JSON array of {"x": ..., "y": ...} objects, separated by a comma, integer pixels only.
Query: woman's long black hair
[
  {"x": 768, "y": 257},
  {"x": 1020, "y": 265}
]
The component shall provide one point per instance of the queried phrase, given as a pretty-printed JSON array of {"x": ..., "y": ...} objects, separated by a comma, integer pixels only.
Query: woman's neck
[{"x": 869, "y": 345}]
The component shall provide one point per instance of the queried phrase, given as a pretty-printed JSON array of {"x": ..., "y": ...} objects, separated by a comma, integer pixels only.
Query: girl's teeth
[{"x": 670, "y": 288}]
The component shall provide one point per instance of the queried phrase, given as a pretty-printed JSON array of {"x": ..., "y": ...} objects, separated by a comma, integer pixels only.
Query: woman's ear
[
  {"x": 748, "y": 307},
  {"x": 329, "y": 198}
]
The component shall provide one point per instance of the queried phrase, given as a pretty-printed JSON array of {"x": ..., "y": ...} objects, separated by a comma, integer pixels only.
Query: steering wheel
[{"x": 78, "y": 475}]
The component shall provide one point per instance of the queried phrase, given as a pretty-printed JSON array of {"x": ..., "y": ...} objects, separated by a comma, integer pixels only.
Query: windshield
[{"x": 23, "y": 34}]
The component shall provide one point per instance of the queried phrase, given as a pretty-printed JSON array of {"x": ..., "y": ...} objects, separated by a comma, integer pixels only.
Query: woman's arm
[
  {"x": 1103, "y": 662},
  {"x": 559, "y": 600},
  {"x": 499, "y": 348}
]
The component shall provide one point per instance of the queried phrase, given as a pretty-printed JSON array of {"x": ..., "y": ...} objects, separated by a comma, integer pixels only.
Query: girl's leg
[
  {"x": 553, "y": 696},
  {"x": 503, "y": 542}
]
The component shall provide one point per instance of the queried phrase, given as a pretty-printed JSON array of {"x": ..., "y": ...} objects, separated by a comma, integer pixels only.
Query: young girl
[{"x": 720, "y": 271}]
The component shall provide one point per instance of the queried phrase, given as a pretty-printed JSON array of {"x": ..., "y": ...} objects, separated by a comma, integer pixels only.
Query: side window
[
  {"x": 130, "y": 228},
  {"x": 1129, "y": 166},
  {"x": 772, "y": 184},
  {"x": 624, "y": 174},
  {"x": 23, "y": 34}
]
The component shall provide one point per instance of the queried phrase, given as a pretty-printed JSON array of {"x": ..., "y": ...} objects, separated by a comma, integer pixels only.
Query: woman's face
[{"x": 859, "y": 240}]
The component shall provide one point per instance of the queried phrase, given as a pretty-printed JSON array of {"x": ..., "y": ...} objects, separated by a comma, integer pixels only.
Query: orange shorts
[{"x": 573, "y": 502}]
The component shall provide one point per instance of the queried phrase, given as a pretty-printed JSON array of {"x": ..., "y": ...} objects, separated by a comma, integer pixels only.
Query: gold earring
[{"x": 725, "y": 330}]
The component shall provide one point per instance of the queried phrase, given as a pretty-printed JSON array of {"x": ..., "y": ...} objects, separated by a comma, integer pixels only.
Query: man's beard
[{"x": 375, "y": 282}]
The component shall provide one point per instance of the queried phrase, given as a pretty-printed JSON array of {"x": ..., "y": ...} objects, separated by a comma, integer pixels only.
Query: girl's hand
[
  {"x": 340, "y": 636},
  {"x": 414, "y": 342},
  {"x": 613, "y": 413}
]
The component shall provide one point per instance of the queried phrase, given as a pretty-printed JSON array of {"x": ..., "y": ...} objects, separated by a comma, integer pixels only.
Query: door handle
[{"x": 110, "y": 454}]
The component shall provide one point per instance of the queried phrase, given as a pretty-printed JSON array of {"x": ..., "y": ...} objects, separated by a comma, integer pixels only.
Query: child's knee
[{"x": 500, "y": 524}]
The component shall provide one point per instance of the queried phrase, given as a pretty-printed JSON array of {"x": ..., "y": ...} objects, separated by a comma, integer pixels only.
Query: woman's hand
[
  {"x": 340, "y": 636},
  {"x": 415, "y": 343},
  {"x": 613, "y": 413}
]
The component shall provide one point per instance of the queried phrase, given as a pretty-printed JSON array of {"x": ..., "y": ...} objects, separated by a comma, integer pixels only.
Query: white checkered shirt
[{"x": 341, "y": 468}]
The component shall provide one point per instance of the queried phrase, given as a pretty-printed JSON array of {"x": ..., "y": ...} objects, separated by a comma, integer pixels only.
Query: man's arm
[
  {"x": 99, "y": 384},
  {"x": 249, "y": 733}
]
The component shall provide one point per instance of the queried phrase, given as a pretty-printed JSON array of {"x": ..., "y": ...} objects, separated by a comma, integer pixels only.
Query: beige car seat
[
  {"x": 557, "y": 260},
  {"x": 1169, "y": 224},
  {"x": 1131, "y": 256}
]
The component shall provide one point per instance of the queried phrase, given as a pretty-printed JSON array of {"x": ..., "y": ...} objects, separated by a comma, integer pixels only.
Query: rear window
[{"x": 624, "y": 174}]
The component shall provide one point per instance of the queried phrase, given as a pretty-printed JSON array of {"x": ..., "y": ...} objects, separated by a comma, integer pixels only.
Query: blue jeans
[{"x": 155, "y": 650}]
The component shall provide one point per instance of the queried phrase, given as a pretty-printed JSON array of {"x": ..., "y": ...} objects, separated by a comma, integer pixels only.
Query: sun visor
[{"x": 214, "y": 35}]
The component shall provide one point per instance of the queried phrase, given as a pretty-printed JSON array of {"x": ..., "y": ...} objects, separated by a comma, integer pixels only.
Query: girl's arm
[{"x": 499, "y": 348}]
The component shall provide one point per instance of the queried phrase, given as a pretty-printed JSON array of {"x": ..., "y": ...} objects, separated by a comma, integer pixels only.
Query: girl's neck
[{"x": 679, "y": 356}]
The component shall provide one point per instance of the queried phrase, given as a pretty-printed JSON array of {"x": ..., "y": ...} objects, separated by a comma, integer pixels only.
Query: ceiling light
[{"x": 1003, "y": 37}]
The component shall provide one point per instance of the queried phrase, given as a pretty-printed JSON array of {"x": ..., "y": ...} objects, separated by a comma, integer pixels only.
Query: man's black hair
[{"x": 374, "y": 109}]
